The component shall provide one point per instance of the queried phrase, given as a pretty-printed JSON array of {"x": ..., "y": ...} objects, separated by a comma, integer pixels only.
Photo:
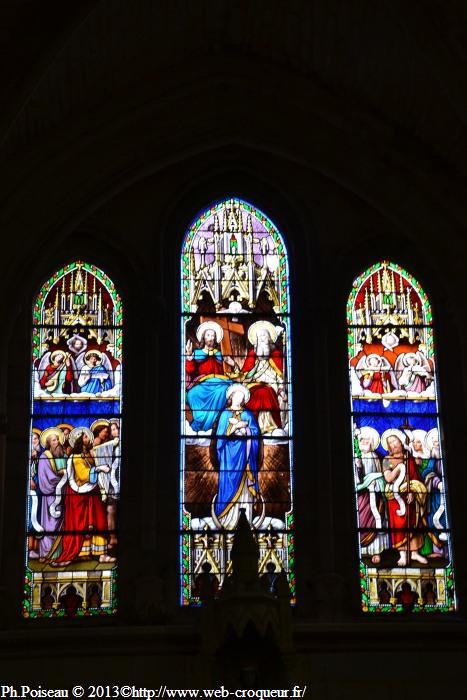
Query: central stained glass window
[{"x": 236, "y": 416}]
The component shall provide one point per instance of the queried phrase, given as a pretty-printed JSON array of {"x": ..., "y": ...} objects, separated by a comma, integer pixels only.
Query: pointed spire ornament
[
  {"x": 232, "y": 221},
  {"x": 245, "y": 550},
  {"x": 240, "y": 220},
  {"x": 70, "y": 306}
]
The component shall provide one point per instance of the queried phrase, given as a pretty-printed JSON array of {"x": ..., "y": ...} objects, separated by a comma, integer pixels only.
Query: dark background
[{"x": 345, "y": 122}]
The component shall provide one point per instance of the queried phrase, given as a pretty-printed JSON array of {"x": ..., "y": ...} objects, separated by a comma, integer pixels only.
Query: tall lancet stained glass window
[
  {"x": 236, "y": 419},
  {"x": 399, "y": 465},
  {"x": 74, "y": 456}
]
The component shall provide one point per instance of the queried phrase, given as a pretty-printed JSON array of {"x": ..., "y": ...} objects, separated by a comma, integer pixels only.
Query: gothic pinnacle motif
[{"x": 233, "y": 263}]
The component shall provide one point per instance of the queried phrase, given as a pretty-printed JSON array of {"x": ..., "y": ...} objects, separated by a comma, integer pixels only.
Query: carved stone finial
[{"x": 245, "y": 553}]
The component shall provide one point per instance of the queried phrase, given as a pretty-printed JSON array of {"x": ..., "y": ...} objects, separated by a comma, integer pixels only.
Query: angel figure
[
  {"x": 375, "y": 374},
  {"x": 414, "y": 371},
  {"x": 96, "y": 374},
  {"x": 57, "y": 373}
]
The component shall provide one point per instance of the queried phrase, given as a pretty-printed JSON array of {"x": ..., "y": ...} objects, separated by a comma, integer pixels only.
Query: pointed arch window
[
  {"x": 74, "y": 457},
  {"x": 236, "y": 418},
  {"x": 399, "y": 464}
]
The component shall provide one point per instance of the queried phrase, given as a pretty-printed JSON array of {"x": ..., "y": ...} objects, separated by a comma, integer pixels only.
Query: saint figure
[
  {"x": 370, "y": 492},
  {"x": 406, "y": 496},
  {"x": 50, "y": 470},
  {"x": 263, "y": 373},
  {"x": 85, "y": 520},
  {"x": 238, "y": 443},
  {"x": 106, "y": 451},
  {"x": 205, "y": 370},
  {"x": 431, "y": 471}
]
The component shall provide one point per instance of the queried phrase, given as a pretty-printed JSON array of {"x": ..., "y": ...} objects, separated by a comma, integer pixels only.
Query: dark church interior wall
[{"x": 116, "y": 135}]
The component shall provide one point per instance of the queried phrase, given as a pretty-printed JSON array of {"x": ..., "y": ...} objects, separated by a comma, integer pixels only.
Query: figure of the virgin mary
[{"x": 238, "y": 454}]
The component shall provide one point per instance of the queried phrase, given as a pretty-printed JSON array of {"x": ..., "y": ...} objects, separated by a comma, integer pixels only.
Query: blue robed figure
[
  {"x": 98, "y": 381},
  {"x": 238, "y": 442},
  {"x": 206, "y": 397},
  {"x": 94, "y": 376},
  {"x": 432, "y": 474},
  {"x": 205, "y": 368}
]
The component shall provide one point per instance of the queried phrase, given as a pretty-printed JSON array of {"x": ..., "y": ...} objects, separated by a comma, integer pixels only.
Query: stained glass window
[
  {"x": 236, "y": 418},
  {"x": 399, "y": 465},
  {"x": 74, "y": 456}
]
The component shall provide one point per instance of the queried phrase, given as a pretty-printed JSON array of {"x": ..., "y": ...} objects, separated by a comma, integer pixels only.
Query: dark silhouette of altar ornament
[
  {"x": 246, "y": 628},
  {"x": 206, "y": 584}
]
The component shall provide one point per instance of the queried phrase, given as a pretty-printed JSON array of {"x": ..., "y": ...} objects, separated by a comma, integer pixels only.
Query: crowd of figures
[
  {"x": 74, "y": 490},
  {"x": 400, "y": 497},
  {"x": 75, "y": 455},
  {"x": 400, "y": 483}
]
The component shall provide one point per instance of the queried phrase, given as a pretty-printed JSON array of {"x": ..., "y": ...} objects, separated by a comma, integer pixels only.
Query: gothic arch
[
  {"x": 76, "y": 407},
  {"x": 236, "y": 417},
  {"x": 399, "y": 474}
]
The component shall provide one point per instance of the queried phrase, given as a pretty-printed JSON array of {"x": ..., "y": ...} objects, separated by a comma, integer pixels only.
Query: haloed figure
[
  {"x": 50, "y": 472},
  {"x": 57, "y": 376},
  {"x": 205, "y": 369},
  {"x": 106, "y": 451},
  {"x": 371, "y": 502},
  {"x": 85, "y": 520},
  {"x": 114, "y": 480},
  {"x": 263, "y": 372},
  {"x": 94, "y": 377},
  {"x": 238, "y": 441},
  {"x": 406, "y": 499}
]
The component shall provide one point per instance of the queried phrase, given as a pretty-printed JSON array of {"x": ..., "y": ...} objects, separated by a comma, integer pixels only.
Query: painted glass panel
[
  {"x": 236, "y": 420},
  {"x": 74, "y": 463},
  {"x": 400, "y": 485}
]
